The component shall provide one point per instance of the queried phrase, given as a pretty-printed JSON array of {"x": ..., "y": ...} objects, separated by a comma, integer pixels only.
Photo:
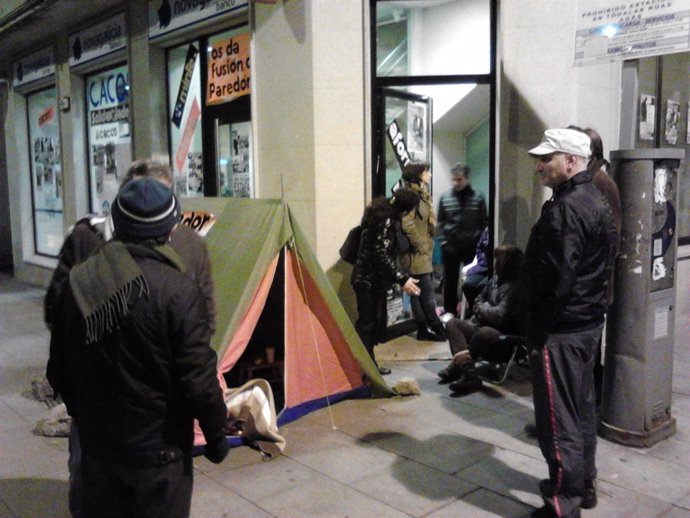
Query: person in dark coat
[
  {"x": 375, "y": 270},
  {"x": 498, "y": 309},
  {"x": 567, "y": 269},
  {"x": 130, "y": 355},
  {"x": 90, "y": 233},
  {"x": 462, "y": 217}
]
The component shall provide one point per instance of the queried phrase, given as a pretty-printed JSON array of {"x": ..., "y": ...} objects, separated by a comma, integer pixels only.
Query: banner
[
  {"x": 229, "y": 69},
  {"x": 98, "y": 40},
  {"x": 397, "y": 140}
]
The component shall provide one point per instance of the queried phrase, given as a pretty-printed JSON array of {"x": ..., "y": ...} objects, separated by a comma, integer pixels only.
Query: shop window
[
  {"x": 109, "y": 134},
  {"x": 46, "y": 171},
  {"x": 209, "y": 87},
  {"x": 185, "y": 103}
]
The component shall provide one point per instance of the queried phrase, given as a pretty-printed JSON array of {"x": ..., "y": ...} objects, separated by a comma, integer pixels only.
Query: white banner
[
  {"x": 609, "y": 30},
  {"x": 35, "y": 66}
]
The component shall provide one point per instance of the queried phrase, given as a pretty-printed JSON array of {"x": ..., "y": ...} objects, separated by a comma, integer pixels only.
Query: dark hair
[
  {"x": 413, "y": 170},
  {"x": 460, "y": 168},
  {"x": 148, "y": 169},
  {"x": 508, "y": 260},
  {"x": 378, "y": 209},
  {"x": 404, "y": 200},
  {"x": 596, "y": 145}
]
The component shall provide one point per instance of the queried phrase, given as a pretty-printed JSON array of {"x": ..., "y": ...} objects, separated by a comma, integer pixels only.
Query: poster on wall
[
  {"x": 416, "y": 131},
  {"x": 229, "y": 72},
  {"x": 663, "y": 226},
  {"x": 195, "y": 175},
  {"x": 110, "y": 152},
  {"x": 672, "y": 118},
  {"x": 241, "y": 163},
  {"x": 647, "y": 116}
]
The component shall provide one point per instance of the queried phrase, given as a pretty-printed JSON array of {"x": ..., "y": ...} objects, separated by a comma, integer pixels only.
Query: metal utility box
[{"x": 638, "y": 368}]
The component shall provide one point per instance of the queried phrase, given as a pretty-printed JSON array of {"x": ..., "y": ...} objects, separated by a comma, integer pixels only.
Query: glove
[{"x": 217, "y": 452}]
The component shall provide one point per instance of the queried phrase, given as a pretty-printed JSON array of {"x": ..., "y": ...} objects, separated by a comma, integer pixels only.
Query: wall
[
  {"x": 539, "y": 88},
  {"x": 5, "y": 230}
]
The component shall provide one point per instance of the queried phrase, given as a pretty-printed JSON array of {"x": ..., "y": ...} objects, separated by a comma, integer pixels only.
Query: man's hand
[{"x": 217, "y": 452}]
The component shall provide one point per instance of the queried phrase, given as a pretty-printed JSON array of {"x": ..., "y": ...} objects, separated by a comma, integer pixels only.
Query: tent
[{"x": 265, "y": 273}]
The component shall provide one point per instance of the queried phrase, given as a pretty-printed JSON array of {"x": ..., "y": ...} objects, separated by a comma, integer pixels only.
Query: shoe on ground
[
  {"x": 468, "y": 382},
  {"x": 590, "y": 500},
  {"x": 384, "y": 371},
  {"x": 430, "y": 336},
  {"x": 451, "y": 372},
  {"x": 531, "y": 430}
]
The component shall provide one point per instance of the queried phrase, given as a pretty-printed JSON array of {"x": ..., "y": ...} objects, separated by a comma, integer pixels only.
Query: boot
[
  {"x": 452, "y": 371},
  {"x": 468, "y": 382},
  {"x": 589, "y": 501},
  {"x": 424, "y": 333}
]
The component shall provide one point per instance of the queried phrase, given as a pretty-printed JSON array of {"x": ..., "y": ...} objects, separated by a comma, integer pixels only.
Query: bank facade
[{"x": 309, "y": 100}]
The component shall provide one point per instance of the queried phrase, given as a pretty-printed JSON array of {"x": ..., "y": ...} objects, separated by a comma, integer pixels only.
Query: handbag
[{"x": 348, "y": 251}]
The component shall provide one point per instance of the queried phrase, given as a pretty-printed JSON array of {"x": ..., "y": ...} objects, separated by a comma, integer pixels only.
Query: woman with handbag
[{"x": 375, "y": 267}]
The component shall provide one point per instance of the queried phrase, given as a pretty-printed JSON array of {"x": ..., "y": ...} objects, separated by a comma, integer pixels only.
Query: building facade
[{"x": 297, "y": 99}]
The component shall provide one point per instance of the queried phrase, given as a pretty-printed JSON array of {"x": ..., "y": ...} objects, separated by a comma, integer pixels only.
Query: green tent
[{"x": 271, "y": 292}]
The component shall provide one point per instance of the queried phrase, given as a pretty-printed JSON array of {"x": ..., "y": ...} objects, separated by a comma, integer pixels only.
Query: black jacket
[
  {"x": 375, "y": 267},
  {"x": 461, "y": 218},
  {"x": 138, "y": 389},
  {"x": 569, "y": 258}
]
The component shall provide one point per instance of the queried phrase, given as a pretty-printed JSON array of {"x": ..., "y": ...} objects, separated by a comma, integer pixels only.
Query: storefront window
[
  {"x": 46, "y": 173},
  {"x": 109, "y": 134},
  {"x": 433, "y": 38},
  {"x": 185, "y": 103}
]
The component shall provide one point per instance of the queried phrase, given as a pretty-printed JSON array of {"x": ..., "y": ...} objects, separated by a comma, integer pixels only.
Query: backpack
[{"x": 348, "y": 251}]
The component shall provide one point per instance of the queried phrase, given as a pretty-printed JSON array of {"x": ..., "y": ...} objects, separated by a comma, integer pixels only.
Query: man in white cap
[{"x": 567, "y": 268}]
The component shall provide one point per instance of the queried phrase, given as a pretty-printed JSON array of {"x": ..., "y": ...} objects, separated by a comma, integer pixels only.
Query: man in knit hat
[
  {"x": 130, "y": 356},
  {"x": 566, "y": 270}
]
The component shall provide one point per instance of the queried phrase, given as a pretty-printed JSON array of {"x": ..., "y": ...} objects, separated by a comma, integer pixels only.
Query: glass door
[{"x": 405, "y": 134}]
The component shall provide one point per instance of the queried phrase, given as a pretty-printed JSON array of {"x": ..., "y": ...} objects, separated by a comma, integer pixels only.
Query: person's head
[
  {"x": 460, "y": 174},
  {"x": 150, "y": 168},
  {"x": 144, "y": 210},
  {"x": 561, "y": 154},
  {"x": 507, "y": 262},
  {"x": 417, "y": 171},
  {"x": 404, "y": 200}
]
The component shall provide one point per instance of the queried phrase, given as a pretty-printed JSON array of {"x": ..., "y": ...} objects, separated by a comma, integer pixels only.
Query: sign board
[
  {"x": 397, "y": 140},
  {"x": 616, "y": 30},
  {"x": 200, "y": 221},
  {"x": 166, "y": 16},
  {"x": 229, "y": 72},
  {"x": 98, "y": 40},
  {"x": 33, "y": 67}
]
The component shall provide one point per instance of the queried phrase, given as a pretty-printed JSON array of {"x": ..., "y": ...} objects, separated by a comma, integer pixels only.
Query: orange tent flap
[{"x": 319, "y": 362}]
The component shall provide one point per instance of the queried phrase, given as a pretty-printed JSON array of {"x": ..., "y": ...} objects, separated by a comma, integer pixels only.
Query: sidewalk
[{"x": 428, "y": 456}]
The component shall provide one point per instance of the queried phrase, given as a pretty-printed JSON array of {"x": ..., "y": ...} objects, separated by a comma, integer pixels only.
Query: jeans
[{"x": 424, "y": 304}]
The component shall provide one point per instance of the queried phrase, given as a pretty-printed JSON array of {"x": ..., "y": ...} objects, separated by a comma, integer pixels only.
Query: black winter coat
[
  {"x": 375, "y": 267},
  {"x": 569, "y": 258},
  {"x": 138, "y": 389}
]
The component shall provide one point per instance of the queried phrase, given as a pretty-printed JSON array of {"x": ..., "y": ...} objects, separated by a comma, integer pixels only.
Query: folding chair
[{"x": 497, "y": 373}]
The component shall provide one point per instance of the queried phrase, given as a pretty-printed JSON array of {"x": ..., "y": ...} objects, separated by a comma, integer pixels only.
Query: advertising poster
[
  {"x": 416, "y": 131},
  {"x": 228, "y": 69},
  {"x": 241, "y": 163},
  {"x": 672, "y": 119},
  {"x": 184, "y": 94},
  {"x": 663, "y": 226},
  {"x": 46, "y": 171},
  {"x": 647, "y": 116},
  {"x": 110, "y": 154}
]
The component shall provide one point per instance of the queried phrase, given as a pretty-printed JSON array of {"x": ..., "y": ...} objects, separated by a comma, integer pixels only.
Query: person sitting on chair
[
  {"x": 475, "y": 276},
  {"x": 497, "y": 310}
]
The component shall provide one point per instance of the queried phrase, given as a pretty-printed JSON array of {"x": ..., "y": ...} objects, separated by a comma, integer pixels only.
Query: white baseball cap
[{"x": 569, "y": 141}]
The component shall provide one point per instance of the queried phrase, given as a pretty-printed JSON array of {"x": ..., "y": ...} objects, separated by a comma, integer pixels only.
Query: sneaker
[
  {"x": 589, "y": 500},
  {"x": 430, "y": 336}
]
